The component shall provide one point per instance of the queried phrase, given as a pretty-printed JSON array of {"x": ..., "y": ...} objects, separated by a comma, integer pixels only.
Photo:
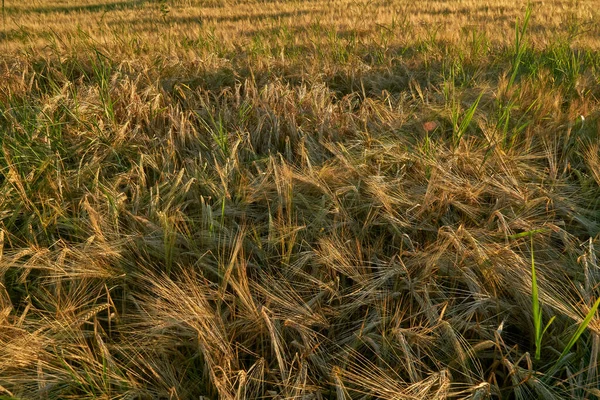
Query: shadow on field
[
  {"x": 101, "y": 7},
  {"x": 393, "y": 79},
  {"x": 498, "y": 11},
  {"x": 183, "y": 20},
  {"x": 15, "y": 34},
  {"x": 383, "y": 76}
]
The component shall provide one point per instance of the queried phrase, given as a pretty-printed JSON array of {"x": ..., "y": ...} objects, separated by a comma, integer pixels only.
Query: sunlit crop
[{"x": 299, "y": 199}]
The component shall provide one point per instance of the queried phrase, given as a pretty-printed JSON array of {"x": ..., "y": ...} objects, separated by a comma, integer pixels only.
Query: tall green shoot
[
  {"x": 536, "y": 309},
  {"x": 459, "y": 129},
  {"x": 537, "y": 317},
  {"x": 580, "y": 329},
  {"x": 102, "y": 69},
  {"x": 582, "y": 326},
  {"x": 520, "y": 45},
  {"x": 506, "y": 106}
]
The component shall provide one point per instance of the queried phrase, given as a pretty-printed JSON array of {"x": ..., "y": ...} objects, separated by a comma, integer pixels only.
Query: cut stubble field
[{"x": 321, "y": 199}]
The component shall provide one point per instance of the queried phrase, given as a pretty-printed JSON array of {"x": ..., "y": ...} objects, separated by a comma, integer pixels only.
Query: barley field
[{"x": 299, "y": 199}]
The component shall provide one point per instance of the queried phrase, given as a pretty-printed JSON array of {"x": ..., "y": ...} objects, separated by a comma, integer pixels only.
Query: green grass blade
[
  {"x": 520, "y": 45},
  {"x": 535, "y": 305},
  {"x": 466, "y": 121},
  {"x": 582, "y": 327},
  {"x": 548, "y": 325},
  {"x": 527, "y": 233}
]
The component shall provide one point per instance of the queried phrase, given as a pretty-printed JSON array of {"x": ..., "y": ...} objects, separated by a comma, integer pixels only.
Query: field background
[{"x": 299, "y": 199}]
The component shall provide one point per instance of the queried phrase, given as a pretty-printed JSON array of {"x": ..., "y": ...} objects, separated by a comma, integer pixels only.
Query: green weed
[{"x": 535, "y": 307}]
